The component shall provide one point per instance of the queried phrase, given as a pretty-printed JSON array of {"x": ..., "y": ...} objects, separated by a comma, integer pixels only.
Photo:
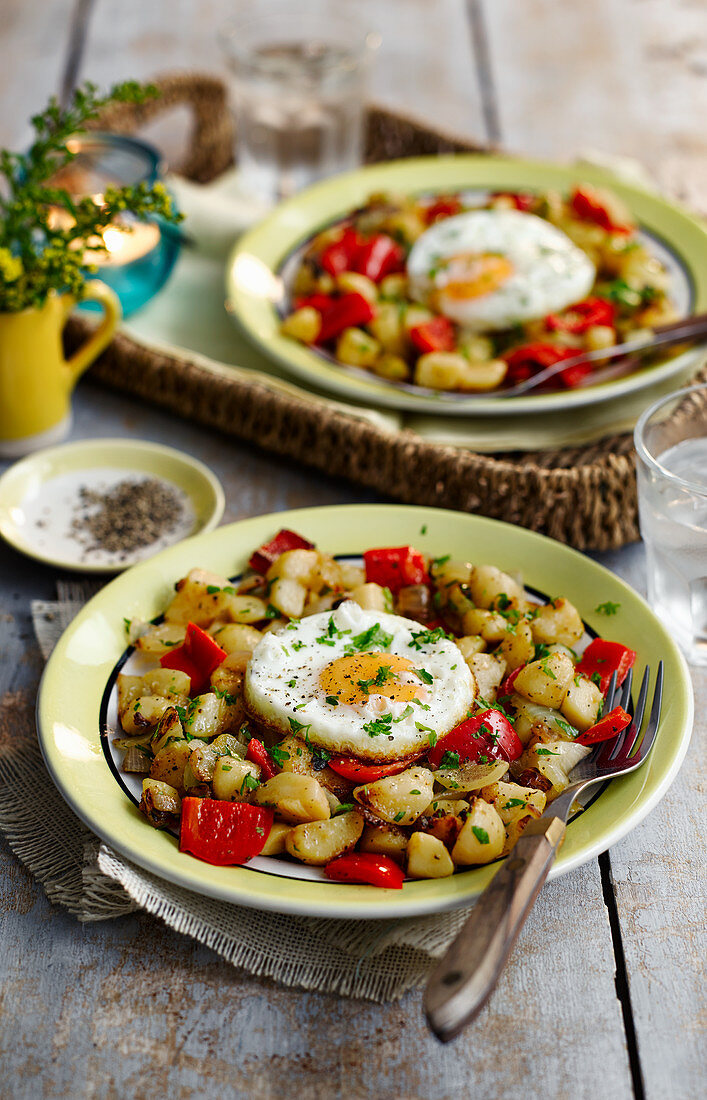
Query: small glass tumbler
[
  {"x": 299, "y": 75},
  {"x": 671, "y": 448}
]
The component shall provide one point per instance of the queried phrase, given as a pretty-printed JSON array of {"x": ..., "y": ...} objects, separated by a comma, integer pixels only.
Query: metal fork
[{"x": 463, "y": 981}]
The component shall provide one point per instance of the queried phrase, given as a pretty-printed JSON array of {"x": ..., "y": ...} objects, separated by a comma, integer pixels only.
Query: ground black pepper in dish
[{"x": 131, "y": 515}]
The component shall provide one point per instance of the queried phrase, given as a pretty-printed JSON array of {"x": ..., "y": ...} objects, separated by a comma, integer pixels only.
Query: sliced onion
[
  {"x": 128, "y": 743},
  {"x": 471, "y": 777},
  {"x": 136, "y": 761},
  {"x": 530, "y": 716}
]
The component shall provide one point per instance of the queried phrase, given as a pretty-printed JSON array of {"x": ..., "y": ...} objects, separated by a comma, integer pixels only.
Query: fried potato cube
[
  {"x": 318, "y": 842},
  {"x": 427, "y": 857},
  {"x": 546, "y": 681},
  {"x": 558, "y": 621},
  {"x": 580, "y": 705},
  {"x": 295, "y": 798},
  {"x": 398, "y": 799},
  {"x": 384, "y": 840},
  {"x": 482, "y": 835}
]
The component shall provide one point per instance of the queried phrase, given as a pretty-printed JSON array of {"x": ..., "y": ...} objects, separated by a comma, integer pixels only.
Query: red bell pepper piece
[
  {"x": 593, "y": 204},
  {"x": 366, "y": 868},
  {"x": 506, "y": 687},
  {"x": 396, "y": 567},
  {"x": 443, "y": 207},
  {"x": 379, "y": 256},
  {"x": 435, "y": 335},
  {"x": 223, "y": 833},
  {"x": 488, "y": 734},
  {"x": 526, "y": 361},
  {"x": 607, "y": 727},
  {"x": 601, "y": 658},
  {"x": 198, "y": 656},
  {"x": 321, "y": 302},
  {"x": 261, "y": 560},
  {"x": 582, "y": 316},
  {"x": 522, "y": 200},
  {"x": 258, "y": 754},
  {"x": 341, "y": 255},
  {"x": 358, "y": 772},
  {"x": 347, "y": 311}
]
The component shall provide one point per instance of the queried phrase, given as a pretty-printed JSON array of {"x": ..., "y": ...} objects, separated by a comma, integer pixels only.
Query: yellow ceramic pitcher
[{"x": 36, "y": 381}]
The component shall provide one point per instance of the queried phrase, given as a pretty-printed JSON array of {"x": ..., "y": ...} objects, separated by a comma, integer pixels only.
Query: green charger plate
[
  {"x": 256, "y": 283},
  {"x": 81, "y": 665}
]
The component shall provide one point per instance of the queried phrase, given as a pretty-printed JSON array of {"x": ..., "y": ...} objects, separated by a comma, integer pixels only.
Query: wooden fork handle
[{"x": 463, "y": 981}]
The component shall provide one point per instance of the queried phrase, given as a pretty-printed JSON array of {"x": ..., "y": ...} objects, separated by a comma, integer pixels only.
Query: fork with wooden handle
[{"x": 463, "y": 981}]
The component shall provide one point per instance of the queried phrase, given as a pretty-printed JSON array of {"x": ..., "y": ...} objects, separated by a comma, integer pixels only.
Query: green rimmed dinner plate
[
  {"x": 82, "y": 667},
  {"x": 260, "y": 268},
  {"x": 40, "y": 496}
]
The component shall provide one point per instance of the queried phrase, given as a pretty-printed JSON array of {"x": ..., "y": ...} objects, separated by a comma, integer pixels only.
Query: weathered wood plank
[{"x": 624, "y": 76}]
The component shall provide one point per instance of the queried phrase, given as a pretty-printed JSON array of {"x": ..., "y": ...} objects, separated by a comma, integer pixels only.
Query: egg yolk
[
  {"x": 353, "y": 679},
  {"x": 470, "y": 275}
]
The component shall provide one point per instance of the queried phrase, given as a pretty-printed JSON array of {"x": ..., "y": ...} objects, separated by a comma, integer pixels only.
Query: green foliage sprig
[{"x": 39, "y": 253}]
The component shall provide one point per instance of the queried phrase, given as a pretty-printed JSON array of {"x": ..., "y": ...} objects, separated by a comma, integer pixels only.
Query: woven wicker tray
[{"x": 584, "y": 496}]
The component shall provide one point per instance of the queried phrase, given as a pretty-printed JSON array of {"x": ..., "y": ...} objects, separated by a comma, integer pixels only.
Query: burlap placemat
[
  {"x": 376, "y": 960},
  {"x": 582, "y": 495}
]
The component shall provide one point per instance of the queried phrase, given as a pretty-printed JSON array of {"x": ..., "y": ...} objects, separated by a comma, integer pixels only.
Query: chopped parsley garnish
[
  {"x": 298, "y": 645},
  {"x": 423, "y": 529},
  {"x": 278, "y": 755},
  {"x": 319, "y": 756},
  {"x": 399, "y": 816},
  {"x": 293, "y": 624},
  {"x": 296, "y": 726},
  {"x": 427, "y": 637},
  {"x": 374, "y": 636},
  {"x": 437, "y": 562},
  {"x": 502, "y": 602},
  {"x": 546, "y": 752},
  {"x": 249, "y": 783},
  {"x": 332, "y": 700},
  {"x": 272, "y": 612},
  {"x": 324, "y": 640},
  {"x": 381, "y": 677},
  {"x": 229, "y": 699},
  {"x": 596, "y": 678},
  {"x": 212, "y": 589},
  {"x": 513, "y": 802},
  {"x": 387, "y": 599},
  {"x": 432, "y": 738},
  {"x": 406, "y": 714},
  {"x": 415, "y": 792},
  {"x": 425, "y": 676},
  {"x": 481, "y": 835},
  {"x": 378, "y": 725},
  {"x": 344, "y": 808},
  {"x": 567, "y": 728},
  {"x": 546, "y": 670},
  {"x": 484, "y": 759},
  {"x": 292, "y": 683},
  {"x": 607, "y": 608},
  {"x": 449, "y": 760}
]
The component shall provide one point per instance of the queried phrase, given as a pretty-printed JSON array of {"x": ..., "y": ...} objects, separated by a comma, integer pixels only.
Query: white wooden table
[{"x": 603, "y": 994}]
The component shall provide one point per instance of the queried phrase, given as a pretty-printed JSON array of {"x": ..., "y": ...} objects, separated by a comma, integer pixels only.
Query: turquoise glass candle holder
[{"x": 138, "y": 262}]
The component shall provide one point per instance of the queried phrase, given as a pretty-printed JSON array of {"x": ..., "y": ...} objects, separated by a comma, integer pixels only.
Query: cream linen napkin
[
  {"x": 188, "y": 320},
  {"x": 377, "y": 960}
]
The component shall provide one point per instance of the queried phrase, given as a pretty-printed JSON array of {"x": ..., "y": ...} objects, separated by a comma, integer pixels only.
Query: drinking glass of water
[
  {"x": 671, "y": 445},
  {"x": 298, "y": 80}
]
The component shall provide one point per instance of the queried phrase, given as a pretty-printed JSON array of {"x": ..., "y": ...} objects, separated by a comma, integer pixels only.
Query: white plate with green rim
[
  {"x": 77, "y": 683},
  {"x": 259, "y": 270},
  {"x": 44, "y": 507}
]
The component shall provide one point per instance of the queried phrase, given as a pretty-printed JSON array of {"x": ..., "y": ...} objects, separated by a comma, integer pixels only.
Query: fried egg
[
  {"x": 490, "y": 269},
  {"x": 358, "y": 682}
]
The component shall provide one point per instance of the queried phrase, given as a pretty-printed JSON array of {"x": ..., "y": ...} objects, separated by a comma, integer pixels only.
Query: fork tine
[
  {"x": 627, "y": 739},
  {"x": 626, "y": 690},
  {"x": 610, "y": 693},
  {"x": 654, "y": 717}
]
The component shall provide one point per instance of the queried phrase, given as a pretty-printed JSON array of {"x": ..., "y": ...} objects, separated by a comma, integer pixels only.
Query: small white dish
[{"x": 43, "y": 507}]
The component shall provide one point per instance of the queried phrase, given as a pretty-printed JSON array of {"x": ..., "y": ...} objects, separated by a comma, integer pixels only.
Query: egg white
[
  {"x": 282, "y": 688},
  {"x": 550, "y": 271}
]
